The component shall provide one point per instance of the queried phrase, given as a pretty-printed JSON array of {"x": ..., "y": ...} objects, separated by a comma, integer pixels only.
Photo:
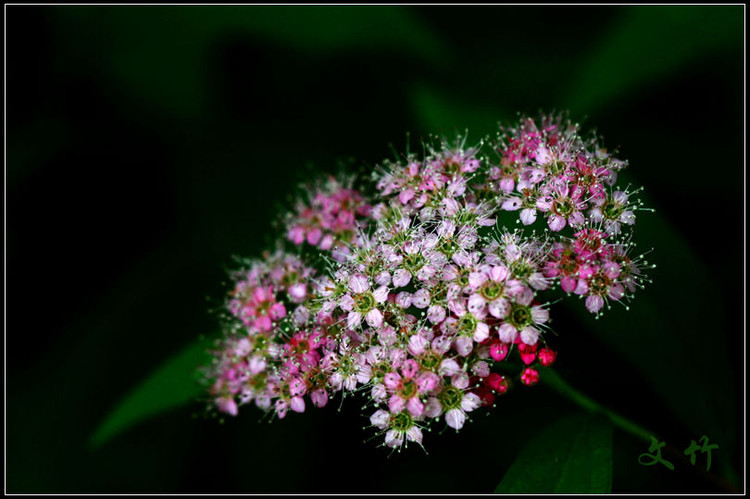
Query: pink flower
[
  {"x": 498, "y": 350},
  {"x": 436, "y": 314},
  {"x": 456, "y": 404},
  {"x": 613, "y": 211},
  {"x": 522, "y": 320},
  {"x": 490, "y": 284},
  {"x": 469, "y": 326},
  {"x": 397, "y": 427},
  {"x": 562, "y": 208},
  {"x": 406, "y": 390},
  {"x": 528, "y": 216},
  {"x": 261, "y": 309},
  {"x": 346, "y": 368},
  {"x": 401, "y": 278},
  {"x": 363, "y": 303},
  {"x": 588, "y": 243},
  {"x": 594, "y": 303}
]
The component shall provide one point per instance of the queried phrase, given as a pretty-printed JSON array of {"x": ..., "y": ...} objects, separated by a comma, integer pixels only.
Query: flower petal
[
  {"x": 528, "y": 216},
  {"x": 380, "y": 294},
  {"x": 507, "y": 333},
  {"x": 359, "y": 284},
  {"x": 380, "y": 419},
  {"x": 353, "y": 320},
  {"x": 455, "y": 418}
]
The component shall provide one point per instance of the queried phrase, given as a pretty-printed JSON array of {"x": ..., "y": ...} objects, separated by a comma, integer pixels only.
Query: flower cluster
[
  {"x": 261, "y": 356},
  {"x": 331, "y": 216},
  {"x": 428, "y": 305},
  {"x": 547, "y": 168}
]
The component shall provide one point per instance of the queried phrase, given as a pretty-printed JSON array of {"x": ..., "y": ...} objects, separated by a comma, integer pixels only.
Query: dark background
[{"x": 146, "y": 145}]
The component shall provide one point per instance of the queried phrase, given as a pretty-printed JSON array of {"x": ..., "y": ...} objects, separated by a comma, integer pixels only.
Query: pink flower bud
[
  {"x": 547, "y": 356},
  {"x": 498, "y": 350},
  {"x": 497, "y": 382},
  {"x": 530, "y": 377},
  {"x": 319, "y": 397}
]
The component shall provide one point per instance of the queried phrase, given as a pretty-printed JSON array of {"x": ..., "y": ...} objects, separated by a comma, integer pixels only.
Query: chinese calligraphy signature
[{"x": 653, "y": 456}]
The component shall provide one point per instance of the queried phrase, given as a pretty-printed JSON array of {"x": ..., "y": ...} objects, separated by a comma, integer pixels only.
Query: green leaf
[
  {"x": 435, "y": 110},
  {"x": 572, "y": 455},
  {"x": 174, "y": 384},
  {"x": 161, "y": 55},
  {"x": 648, "y": 43}
]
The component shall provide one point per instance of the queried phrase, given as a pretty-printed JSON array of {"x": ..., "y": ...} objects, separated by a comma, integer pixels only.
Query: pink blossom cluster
[
  {"x": 432, "y": 316},
  {"x": 428, "y": 306},
  {"x": 589, "y": 266},
  {"x": 270, "y": 299},
  {"x": 546, "y": 168},
  {"x": 331, "y": 216}
]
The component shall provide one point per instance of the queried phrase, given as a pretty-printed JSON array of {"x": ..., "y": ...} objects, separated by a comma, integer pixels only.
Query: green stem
[{"x": 554, "y": 381}]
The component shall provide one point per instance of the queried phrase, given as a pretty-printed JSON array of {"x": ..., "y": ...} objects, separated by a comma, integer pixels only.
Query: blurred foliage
[
  {"x": 146, "y": 145},
  {"x": 573, "y": 455},
  {"x": 175, "y": 383},
  {"x": 668, "y": 38},
  {"x": 166, "y": 63}
]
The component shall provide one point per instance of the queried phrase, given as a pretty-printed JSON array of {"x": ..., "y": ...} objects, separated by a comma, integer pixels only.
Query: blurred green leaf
[
  {"x": 572, "y": 455},
  {"x": 436, "y": 111},
  {"x": 161, "y": 53},
  {"x": 648, "y": 43},
  {"x": 172, "y": 385}
]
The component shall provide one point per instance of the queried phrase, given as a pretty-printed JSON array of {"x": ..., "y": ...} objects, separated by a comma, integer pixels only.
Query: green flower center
[
  {"x": 333, "y": 330},
  {"x": 449, "y": 247},
  {"x": 302, "y": 346},
  {"x": 408, "y": 389},
  {"x": 519, "y": 316},
  {"x": 599, "y": 284},
  {"x": 465, "y": 217},
  {"x": 414, "y": 262},
  {"x": 491, "y": 290},
  {"x": 258, "y": 382},
  {"x": 429, "y": 361},
  {"x": 379, "y": 371},
  {"x": 364, "y": 302},
  {"x": 450, "y": 398},
  {"x": 402, "y": 421},
  {"x": 260, "y": 343},
  {"x": 568, "y": 265},
  {"x": 467, "y": 324},
  {"x": 556, "y": 167},
  {"x": 347, "y": 366},
  {"x": 565, "y": 207},
  {"x": 285, "y": 393},
  {"x": 611, "y": 210},
  {"x": 318, "y": 377},
  {"x": 439, "y": 292},
  {"x": 289, "y": 279},
  {"x": 523, "y": 268},
  {"x": 452, "y": 166}
]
